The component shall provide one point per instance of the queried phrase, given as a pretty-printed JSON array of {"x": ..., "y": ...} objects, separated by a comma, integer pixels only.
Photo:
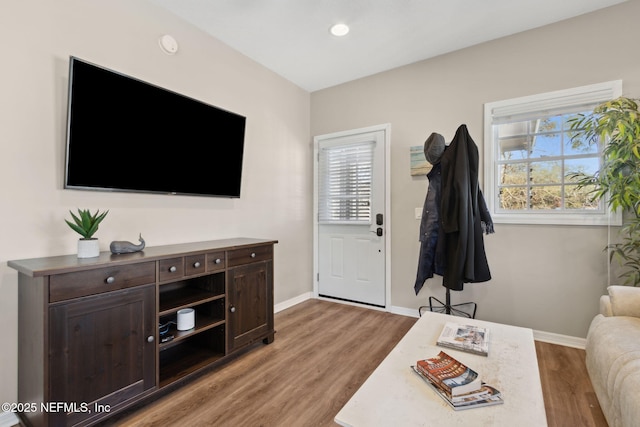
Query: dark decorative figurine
[{"x": 124, "y": 247}]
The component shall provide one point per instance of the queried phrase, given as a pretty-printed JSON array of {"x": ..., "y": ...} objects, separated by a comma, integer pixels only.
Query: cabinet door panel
[
  {"x": 250, "y": 303},
  {"x": 100, "y": 351}
]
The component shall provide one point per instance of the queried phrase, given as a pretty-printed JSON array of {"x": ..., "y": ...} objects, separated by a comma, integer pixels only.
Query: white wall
[
  {"x": 548, "y": 278},
  {"x": 39, "y": 36}
]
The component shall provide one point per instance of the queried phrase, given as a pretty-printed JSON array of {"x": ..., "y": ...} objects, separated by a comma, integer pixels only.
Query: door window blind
[{"x": 345, "y": 175}]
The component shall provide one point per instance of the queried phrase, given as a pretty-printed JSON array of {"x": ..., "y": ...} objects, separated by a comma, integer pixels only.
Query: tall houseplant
[
  {"x": 86, "y": 224},
  {"x": 616, "y": 125}
]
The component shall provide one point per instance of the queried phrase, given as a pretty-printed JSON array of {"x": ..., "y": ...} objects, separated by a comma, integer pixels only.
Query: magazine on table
[
  {"x": 449, "y": 374},
  {"x": 472, "y": 339},
  {"x": 485, "y": 396}
]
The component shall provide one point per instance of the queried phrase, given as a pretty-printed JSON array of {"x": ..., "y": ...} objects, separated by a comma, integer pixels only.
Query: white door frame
[{"x": 386, "y": 128}]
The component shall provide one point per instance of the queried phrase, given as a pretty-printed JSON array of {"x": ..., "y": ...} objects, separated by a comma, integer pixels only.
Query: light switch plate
[{"x": 418, "y": 213}]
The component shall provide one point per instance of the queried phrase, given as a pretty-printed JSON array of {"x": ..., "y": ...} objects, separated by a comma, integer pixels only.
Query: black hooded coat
[{"x": 464, "y": 214}]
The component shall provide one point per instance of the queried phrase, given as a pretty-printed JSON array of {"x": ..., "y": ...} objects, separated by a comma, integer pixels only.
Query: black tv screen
[{"x": 127, "y": 135}]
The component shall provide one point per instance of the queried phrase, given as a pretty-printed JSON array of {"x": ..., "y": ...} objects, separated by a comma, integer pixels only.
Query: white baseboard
[
  {"x": 558, "y": 339},
  {"x": 290, "y": 302},
  {"x": 8, "y": 419},
  {"x": 404, "y": 311},
  {"x": 549, "y": 337}
]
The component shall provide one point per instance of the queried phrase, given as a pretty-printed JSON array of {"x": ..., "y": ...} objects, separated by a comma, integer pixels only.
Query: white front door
[{"x": 352, "y": 215}]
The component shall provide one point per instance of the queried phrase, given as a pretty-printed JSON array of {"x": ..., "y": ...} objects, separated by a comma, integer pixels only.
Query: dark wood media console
[{"x": 89, "y": 344}]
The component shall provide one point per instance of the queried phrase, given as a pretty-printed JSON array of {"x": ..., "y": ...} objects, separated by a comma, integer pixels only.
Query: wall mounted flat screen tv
[{"x": 127, "y": 135}]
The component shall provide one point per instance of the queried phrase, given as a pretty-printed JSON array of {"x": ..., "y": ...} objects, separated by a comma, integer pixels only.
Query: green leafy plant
[
  {"x": 85, "y": 223},
  {"x": 616, "y": 125}
]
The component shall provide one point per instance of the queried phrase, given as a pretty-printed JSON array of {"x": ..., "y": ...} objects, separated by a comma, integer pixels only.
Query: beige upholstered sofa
[{"x": 613, "y": 356}]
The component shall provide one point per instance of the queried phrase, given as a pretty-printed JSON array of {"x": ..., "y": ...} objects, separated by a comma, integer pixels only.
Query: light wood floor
[
  {"x": 322, "y": 353},
  {"x": 569, "y": 398}
]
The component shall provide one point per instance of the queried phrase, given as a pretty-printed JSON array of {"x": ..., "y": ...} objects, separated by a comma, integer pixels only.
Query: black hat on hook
[{"x": 434, "y": 148}]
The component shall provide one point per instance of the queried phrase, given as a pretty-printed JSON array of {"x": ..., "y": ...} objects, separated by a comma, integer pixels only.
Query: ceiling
[{"x": 291, "y": 37}]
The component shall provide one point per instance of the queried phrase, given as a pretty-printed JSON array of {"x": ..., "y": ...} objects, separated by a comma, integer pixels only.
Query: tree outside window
[{"x": 535, "y": 159}]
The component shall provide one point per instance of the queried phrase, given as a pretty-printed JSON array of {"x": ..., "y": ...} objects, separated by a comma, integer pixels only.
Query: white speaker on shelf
[{"x": 186, "y": 319}]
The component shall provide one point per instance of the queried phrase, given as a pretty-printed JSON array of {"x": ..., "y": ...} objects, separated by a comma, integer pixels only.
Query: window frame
[{"x": 540, "y": 106}]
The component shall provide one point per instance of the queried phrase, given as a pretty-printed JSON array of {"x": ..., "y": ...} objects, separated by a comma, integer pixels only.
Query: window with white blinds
[
  {"x": 345, "y": 175},
  {"x": 531, "y": 156}
]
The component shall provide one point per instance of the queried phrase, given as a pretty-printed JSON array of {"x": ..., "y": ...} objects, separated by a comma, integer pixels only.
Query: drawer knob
[
  {"x": 110, "y": 280},
  {"x": 232, "y": 309},
  {"x": 253, "y": 254},
  {"x": 150, "y": 338},
  {"x": 172, "y": 269},
  {"x": 196, "y": 264},
  {"x": 218, "y": 260}
]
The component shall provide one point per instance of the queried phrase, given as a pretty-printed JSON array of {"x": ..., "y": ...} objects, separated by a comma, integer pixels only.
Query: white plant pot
[{"x": 88, "y": 248}]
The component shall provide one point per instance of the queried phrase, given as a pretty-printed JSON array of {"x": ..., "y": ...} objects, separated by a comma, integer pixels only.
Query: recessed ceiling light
[{"x": 339, "y": 30}]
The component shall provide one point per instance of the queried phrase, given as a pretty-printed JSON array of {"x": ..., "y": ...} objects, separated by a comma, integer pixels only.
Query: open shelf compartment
[
  {"x": 181, "y": 358},
  {"x": 207, "y": 315},
  {"x": 189, "y": 292}
]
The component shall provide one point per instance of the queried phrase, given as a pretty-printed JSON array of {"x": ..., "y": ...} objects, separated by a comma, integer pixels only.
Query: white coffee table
[{"x": 395, "y": 396}]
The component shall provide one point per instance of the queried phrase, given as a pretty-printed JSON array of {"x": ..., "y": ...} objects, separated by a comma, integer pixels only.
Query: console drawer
[
  {"x": 216, "y": 261},
  {"x": 170, "y": 269},
  {"x": 194, "y": 264},
  {"x": 73, "y": 285},
  {"x": 249, "y": 255}
]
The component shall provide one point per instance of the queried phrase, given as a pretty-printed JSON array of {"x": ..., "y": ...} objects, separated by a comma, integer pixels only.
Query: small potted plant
[{"x": 86, "y": 224}]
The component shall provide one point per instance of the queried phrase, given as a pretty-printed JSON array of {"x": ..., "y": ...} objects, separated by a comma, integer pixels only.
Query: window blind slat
[{"x": 345, "y": 183}]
